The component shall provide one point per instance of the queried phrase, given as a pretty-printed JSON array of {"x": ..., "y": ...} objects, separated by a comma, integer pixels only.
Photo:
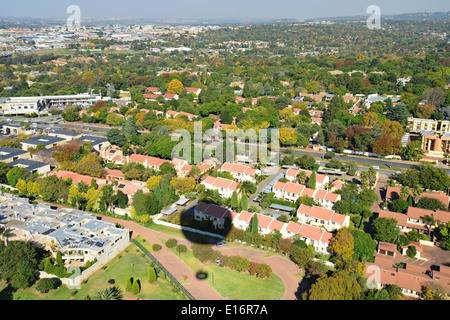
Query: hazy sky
[{"x": 205, "y": 9}]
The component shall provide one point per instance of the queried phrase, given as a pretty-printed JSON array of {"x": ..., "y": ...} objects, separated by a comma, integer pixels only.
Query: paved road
[
  {"x": 200, "y": 289},
  {"x": 367, "y": 160}
]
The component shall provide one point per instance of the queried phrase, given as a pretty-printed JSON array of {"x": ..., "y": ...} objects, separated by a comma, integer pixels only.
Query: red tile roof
[{"x": 238, "y": 168}]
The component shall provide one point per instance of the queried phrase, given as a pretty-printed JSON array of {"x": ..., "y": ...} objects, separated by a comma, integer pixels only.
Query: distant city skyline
[{"x": 203, "y": 9}]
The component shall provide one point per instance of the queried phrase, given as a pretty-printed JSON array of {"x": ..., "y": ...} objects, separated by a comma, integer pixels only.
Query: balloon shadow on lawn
[{"x": 203, "y": 231}]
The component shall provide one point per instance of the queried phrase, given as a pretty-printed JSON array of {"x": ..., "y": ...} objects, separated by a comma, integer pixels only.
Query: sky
[{"x": 214, "y": 9}]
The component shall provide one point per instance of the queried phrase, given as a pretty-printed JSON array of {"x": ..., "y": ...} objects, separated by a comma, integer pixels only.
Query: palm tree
[
  {"x": 417, "y": 191},
  {"x": 247, "y": 188},
  {"x": 404, "y": 192},
  {"x": 302, "y": 177},
  {"x": 430, "y": 224},
  {"x": 113, "y": 293}
]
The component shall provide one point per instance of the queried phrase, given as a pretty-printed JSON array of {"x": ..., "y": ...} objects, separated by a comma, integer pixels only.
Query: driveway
[{"x": 200, "y": 289}]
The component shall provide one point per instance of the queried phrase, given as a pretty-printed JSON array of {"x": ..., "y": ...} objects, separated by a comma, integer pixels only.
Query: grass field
[
  {"x": 131, "y": 262},
  {"x": 232, "y": 284}
]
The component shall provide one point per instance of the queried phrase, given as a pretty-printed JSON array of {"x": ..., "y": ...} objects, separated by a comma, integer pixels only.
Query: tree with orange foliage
[{"x": 64, "y": 152}]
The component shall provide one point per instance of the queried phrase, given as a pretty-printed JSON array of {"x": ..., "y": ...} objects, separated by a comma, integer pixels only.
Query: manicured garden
[
  {"x": 131, "y": 262},
  {"x": 232, "y": 284}
]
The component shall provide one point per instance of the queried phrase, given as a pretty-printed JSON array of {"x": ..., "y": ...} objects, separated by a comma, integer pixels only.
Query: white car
[{"x": 376, "y": 167}]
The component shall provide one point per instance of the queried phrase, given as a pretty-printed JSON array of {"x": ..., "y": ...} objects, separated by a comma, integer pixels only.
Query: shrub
[
  {"x": 171, "y": 243},
  {"x": 129, "y": 285},
  {"x": 136, "y": 287},
  {"x": 156, "y": 247},
  {"x": 181, "y": 248},
  {"x": 253, "y": 267},
  {"x": 151, "y": 275},
  {"x": 263, "y": 270},
  {"x": 47, "y": 284}
]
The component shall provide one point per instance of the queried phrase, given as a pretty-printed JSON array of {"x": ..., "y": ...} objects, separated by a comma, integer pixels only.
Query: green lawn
[
  {"x": 131, "y": 262},
  {"x": 235, "y": 285}
]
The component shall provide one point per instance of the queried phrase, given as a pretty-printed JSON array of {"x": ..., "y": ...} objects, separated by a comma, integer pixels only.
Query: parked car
[
  {"x": 376, "y": 167},
  {"x": 221, "y": 244}
]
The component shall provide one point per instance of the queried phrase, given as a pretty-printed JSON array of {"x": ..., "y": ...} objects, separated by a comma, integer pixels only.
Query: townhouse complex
[
  {"x": 78, "y": 235},
  {"x": 314, "y": 226}
]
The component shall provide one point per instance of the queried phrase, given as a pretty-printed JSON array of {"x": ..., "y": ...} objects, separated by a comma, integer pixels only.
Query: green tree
[
  {"x": 244, "y": 202},
  {"x": 386, "y": 229},
  {"x": 136, "y": 287},
  {"x": 15, "y": 174},
  {"x": 338, "y": 286},
  {"x": 312, "y": 180},
  {"x": 18, "y": 263},
  {"x": 151, "y": 275},
  {"x": 234, "y": 202},
  {"x": 128, "y": 285},
  {"x": 254, "y": 224}
]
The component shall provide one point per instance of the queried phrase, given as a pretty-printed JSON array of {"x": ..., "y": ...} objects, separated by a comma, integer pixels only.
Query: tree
[
  {"x": 145, "y": 203},
  {"x": 234, "y": 200},
  {"x": 244, "y": 202},
  {"x": 129, "y": 128},
  {"x": 342, "y": 244},
  {"x": 116, "y": 137},
  {"x": 430, "y": 223},
  {"x": 152, "y": 182},
  {"x": 175, "y": 86},
  {"x": 4, "y": 168},
  {"x": 435, "y": 96},
  {"x": 364, "y": 246},
  {"x": 52, "y": 188},
  {"x": 312, "y": 180},
  {"x": 368, "y": 178},
  {"x": 254, "y": 224},
  {"x": 18, "y": 263},
  {"x": 428, "y": 203},
  {"x": 151, "y": 275},
  {"x": 413, "y": 151},
  {"x": 90, "y": 165},
  {"x": 306, "y": 161},
  {"x": 136, "y": 288},
  {"x": 302, "y": 176},
  {"x": 46, "y": 284},
  {"x": 288, "y": 136},
  {"x": 21, "y": 185},
  {"x": 386, "y": 145},
  {"x": 385, "y": 229},
  {"x": 181, "y": 248},
  {"x": 15, "y": 174},
  {"x": 338, "y": 286},
  {"x": 398, "y": 113},
  {"x": 434, "y": 291}
]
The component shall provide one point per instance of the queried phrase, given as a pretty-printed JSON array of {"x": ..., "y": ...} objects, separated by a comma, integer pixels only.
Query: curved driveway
[{"x": 200, "y": 289}]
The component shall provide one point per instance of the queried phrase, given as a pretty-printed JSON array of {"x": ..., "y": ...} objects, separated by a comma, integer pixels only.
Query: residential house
[
  {"x": 240, "y": 172},
  {"x": 321, "y": 179},
  {"x": 225, "y": 187},
  {"x": 292, "y": 191},
  {"x": 219, "y": 215},
  {"x": 321, "y": 217}
]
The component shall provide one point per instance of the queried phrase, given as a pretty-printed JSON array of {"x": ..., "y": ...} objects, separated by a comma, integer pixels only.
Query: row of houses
[
  {"x": 114, "y": 154},
  {"x": 413, "y": 218},
  {"x": 292, "y": 191},
  {"x": 409, "y": 276},
  {"x": 318, "y": 237}
]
